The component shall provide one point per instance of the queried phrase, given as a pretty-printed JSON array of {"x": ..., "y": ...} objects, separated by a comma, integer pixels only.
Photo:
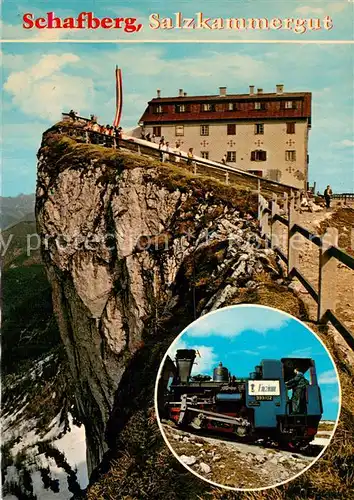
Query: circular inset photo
[{"x": 247, "y": 397}]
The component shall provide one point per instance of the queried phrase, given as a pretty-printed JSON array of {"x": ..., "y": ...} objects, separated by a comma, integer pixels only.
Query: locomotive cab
[{"x": 304, "y": 408}]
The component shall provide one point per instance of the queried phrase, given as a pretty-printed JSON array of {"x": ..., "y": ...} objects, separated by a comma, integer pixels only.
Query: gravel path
[{"x": 235, "y": 464}]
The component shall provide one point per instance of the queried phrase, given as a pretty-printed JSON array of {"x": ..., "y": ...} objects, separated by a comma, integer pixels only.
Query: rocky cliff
[{"x": 134, "y": 251}]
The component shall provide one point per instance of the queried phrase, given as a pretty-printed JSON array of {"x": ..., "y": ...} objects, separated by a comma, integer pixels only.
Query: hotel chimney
[
  {"x": 222, "y": 91},
  {"x": 251, "y": 89},
  {"x": 158, "y": 92},
  {"x": 280, "y": 89},
  {"x": 259, "y": 91},
  {"x": 180, "y": 93}
]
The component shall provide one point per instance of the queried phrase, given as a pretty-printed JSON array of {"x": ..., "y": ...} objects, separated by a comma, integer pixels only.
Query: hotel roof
[{"x": 245, "y": 111}]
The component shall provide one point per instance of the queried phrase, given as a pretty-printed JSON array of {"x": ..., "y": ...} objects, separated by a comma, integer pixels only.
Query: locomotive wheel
[{"x": 240, "y": 431}]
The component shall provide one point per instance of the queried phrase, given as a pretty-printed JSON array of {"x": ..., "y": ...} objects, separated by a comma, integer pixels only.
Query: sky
[
  {"x": 240, "y": 337},
  {"x": 47, "y": 74}
]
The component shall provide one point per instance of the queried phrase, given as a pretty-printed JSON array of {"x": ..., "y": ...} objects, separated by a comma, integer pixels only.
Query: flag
[{"x": 119, "y": 97}]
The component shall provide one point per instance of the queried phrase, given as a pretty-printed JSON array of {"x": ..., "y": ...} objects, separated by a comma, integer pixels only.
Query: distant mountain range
[{"x": 16, "y": 209}]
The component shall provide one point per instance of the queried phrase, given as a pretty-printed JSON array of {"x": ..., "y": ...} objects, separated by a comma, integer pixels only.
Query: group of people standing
[
  {"x": 166, "y": 150},
  {"x": 93, "y": 125}
]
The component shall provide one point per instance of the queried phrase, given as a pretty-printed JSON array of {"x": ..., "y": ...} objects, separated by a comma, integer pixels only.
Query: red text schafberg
[{"x": 85, "y": 20}]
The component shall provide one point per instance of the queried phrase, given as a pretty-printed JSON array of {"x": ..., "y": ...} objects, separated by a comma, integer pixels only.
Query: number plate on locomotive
[
  {"x": 264, "y": 398},
  {"x": 263, "y": 388}
]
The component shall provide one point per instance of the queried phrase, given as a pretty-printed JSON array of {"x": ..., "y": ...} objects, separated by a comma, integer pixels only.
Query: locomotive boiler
[{"x": 255, "y": 407}]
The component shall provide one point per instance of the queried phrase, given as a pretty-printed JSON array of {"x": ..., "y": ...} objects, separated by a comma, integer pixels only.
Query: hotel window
[
  {"x": 231, "y": 156},
  {"x": 180, "y": 108},
  {"x": 156, "y": 131},
  {"x": 204, "y": 130},
  {"x": 290, "y": 128},
  {"x": 158, "y": 109},
  {"x": 232, "y": 106},
  {"x": 259, "y": 128},
  {"x": 179, "y": 130},
  {"x": 289, "y": 104},
  {"x": 258, "y": 155},
  {"x": 205, "y": 155},
  {"x": 259, "y": 105},
  {"x": 290, "y": 155},
  {"x": 231, "y": 129},
  {"x": 274, "y": 174},
  {"x": 208, "y": 107}
]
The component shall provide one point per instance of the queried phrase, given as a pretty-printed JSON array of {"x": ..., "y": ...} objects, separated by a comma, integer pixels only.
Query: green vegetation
[
  {"x": 29, "y": 328},
  {"x": 65, "y": 152}
]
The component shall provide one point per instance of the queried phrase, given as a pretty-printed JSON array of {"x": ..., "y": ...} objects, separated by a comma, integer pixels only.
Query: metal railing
[
  {"x": 330, "y": 254},
  {"x": 201, "y": 166},
  {"x": 343, "y": 196}
]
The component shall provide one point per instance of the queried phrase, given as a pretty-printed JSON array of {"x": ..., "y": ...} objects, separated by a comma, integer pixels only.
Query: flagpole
[{"x": 119, "y": 97}]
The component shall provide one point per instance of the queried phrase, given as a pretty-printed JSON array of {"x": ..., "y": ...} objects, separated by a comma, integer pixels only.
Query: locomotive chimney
[{"x": 184, "y": 361}]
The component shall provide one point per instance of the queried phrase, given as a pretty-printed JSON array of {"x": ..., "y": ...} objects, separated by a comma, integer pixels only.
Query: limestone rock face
[{"x": 121, "y": 246}]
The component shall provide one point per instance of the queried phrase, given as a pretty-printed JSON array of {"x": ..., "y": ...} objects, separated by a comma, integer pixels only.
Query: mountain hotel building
[{"x": 263, "y": 133}]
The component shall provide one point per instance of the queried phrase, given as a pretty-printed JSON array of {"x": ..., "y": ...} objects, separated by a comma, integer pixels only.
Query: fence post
[
  {"x": 327, "y": 277},
  {"x": 293, "y": 237},
  {"x": 285, "y": 204},
  {"x": 274, "y": 224},
  {"x": 264, "y": 224},
  {"x": 227, "y": 177},
  {"x": 194, "y": 168},
  {"x": 259, "y": 207},
  {"x": 297, "y": 200},
  {"x": 139, "y": 152}
]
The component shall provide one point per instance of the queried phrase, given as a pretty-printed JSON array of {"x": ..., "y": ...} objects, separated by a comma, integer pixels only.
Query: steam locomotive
[{"x": 252, "y": 408}]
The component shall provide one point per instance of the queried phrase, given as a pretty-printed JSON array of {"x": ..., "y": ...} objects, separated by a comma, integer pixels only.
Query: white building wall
[{"x": 275, "y": 141}]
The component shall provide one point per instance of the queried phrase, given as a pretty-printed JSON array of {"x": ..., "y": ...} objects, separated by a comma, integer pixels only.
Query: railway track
[{"x": 312, "y": 450}]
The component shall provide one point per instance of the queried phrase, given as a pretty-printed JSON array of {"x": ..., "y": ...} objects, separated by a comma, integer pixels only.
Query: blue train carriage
[{"x": 273, "y": 405}]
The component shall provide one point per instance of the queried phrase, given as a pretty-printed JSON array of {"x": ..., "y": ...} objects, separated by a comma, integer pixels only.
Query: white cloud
[
  {"x": 347, "y": 143},
  {"x": 210, "y": 65},
  {"x": 232, "y": 322},
  {"x": 206, "y": 362},
  {"x": 307, "y": 9},
  {"x": 328, "y": 9},
  {"x": 334, "y": 8},
  {"x": 343, "y": 144},
  {"x": 250, "y": 353},
  {"x": 206, "y": 359},
  {"x": 44, "y": 90},
  {"x": 306, "y": 352},
  {"x": 328, "y": 377}
]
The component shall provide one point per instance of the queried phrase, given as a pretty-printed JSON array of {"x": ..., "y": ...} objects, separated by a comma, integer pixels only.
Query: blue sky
[
  {"x": 240, "y": 337},
  {"x": 41, "y": 79}
]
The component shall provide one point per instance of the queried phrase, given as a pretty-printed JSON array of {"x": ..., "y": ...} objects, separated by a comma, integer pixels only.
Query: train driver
[{"x": 298, "y": 398}]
